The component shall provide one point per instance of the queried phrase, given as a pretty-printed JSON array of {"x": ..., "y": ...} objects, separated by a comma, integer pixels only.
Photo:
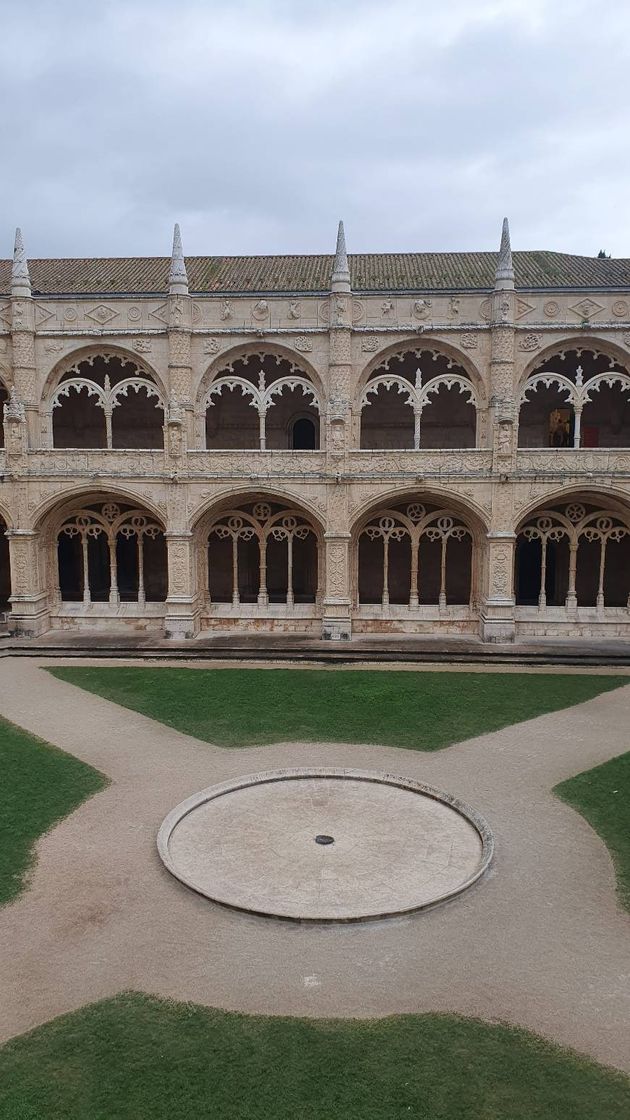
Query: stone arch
[
  {"x": 423, "y": 342},
  {"x": 416, "y": 555},
  {"x": 45, "y": 511},
  {"x": 576, "y": 393},
  {"x": 441, "y": 495},
  {"x": 260, "y": 555},
  {"x": 248, "y": 397},
  {"x": 585, "y": 341},
  {"x": 104, "y": 397},
  {"x": 573, "y": 554},
  {"x": 419, "y": 395},
  {"x": 103, "y": 548}
]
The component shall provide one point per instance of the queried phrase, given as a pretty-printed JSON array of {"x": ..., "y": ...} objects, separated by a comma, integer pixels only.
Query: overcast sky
[{"x": 258, "y": 123}]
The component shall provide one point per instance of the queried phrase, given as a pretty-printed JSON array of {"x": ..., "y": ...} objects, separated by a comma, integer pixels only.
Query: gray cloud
[{"x": 258, "y": 124}]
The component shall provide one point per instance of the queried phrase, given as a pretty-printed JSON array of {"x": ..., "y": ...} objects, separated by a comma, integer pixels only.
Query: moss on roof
[{"x": 370, "y": 272}]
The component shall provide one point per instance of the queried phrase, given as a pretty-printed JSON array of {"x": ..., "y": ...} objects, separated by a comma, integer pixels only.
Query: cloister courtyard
[{"x": 127, "y": 994}]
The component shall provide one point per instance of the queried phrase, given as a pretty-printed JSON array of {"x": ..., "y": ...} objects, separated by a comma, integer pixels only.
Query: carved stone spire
[
  {"x": 20, "y": 279},
  {"x": 177, "y": 277},
  {"x": 340, "y": 280},
  {"x": 504, "y": 275}
]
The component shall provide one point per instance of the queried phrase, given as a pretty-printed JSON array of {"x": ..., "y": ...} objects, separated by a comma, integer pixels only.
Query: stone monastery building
[{"x": 416, "y": 443}]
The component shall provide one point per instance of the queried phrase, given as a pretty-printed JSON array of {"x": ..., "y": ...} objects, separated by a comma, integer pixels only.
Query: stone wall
[{"x": 183, "y": 343}]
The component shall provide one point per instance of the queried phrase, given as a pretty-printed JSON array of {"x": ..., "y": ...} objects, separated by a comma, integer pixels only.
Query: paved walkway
[{"x": 540, "y": 942}]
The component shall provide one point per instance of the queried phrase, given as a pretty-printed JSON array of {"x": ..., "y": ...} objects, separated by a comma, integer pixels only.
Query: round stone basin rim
[{"x": 325, "y": 841}]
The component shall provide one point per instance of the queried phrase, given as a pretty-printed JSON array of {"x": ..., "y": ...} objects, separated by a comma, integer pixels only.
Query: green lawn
[
  {"x": 602, "y": 795},
  {"x": 138, "y": 1058},
  {"x": 38, "y": 786},
  {"x": 417, "y": 710}
]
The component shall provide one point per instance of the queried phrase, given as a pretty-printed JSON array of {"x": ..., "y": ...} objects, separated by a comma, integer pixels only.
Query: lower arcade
[{"x": 415, "y": 565}]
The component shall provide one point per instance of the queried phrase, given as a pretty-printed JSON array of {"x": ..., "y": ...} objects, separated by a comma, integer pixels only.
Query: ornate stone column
[
  {"x": 29, "y": 604},
  {"x": 497, "y": 605},
  {"x": 183, "y": 606},
  {"x": 182, "y": 609},
  {"x": 497, "y": 602},
  {"x": 337, "y": 597},
  {"x": 336, "y": 620}
]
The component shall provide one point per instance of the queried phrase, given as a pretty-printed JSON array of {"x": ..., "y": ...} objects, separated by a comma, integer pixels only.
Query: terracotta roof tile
[{"x": 371, "y": 272}]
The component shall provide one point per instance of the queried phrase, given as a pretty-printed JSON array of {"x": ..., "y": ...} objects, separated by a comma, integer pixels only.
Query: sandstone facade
[{"x": 415, "y": 443}]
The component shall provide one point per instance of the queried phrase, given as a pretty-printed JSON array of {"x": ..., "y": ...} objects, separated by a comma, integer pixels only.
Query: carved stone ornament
[
  {"x": 485, "y": 309},
  {"x": 530, "y": 342},
  {"x": 294, "y": 309},
  {"x": 504, "y": 438},
  {"x": 211, "y": 346},
  {"x": 175, "y": 439},
  {"x": 369, "y": 343},
  {"x": 454, "y": 304},
  {"x": 470, "y": 341},
  {"x": 421, "y": 308},
  {"x": 523, "y": 308},
  {"x": 501, "y": 572},
  {"x": 134, "y": 314},
  {"x": 14, "y": 408},
  {"x": 620, "y": 308},
  {"x": 260, "y": 309},
  {"x": 303, "y": 344},
  {"x": 387, "y": 307},
  {"x": 338, "y": 408},
  {"x": 586, "y": 309},
  {"x": 358, "y": 311},
  {"x": 101, "y": 314},
  {"x": 226, "y": 309},
  {"x": 551, "y": 309},
  {"x": 141, "y": 346},
  {"x": 52, "y": 346}
]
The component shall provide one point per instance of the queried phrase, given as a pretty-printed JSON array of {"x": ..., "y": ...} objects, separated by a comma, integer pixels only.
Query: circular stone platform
[{"x": 325, "y": 845}]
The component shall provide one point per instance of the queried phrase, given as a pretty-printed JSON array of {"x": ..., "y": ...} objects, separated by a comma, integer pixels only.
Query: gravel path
[{"x": 541, "y": 942}]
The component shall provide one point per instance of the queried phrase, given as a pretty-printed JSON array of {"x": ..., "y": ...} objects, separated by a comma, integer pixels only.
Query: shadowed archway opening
[
  {"x": 572, "y": 555},
  {"x": 414, "y": 554},
  {"x": 576, "y": 398},
  {"x": 107, "y": 401},
  {"x": 110, "y": 552},
  {"x": 262, "y": 553},
  {"x": 418, "y": 399},
  {"x": 258, "y": 402}
]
